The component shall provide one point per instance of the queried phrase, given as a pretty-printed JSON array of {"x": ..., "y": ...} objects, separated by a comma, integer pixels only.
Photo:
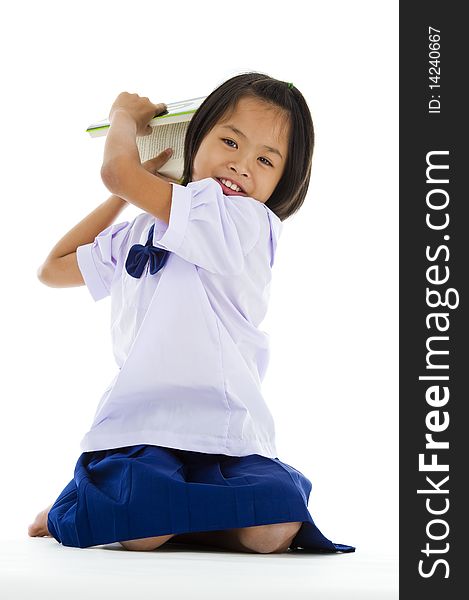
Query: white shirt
[{"x": 191, "y": 358}]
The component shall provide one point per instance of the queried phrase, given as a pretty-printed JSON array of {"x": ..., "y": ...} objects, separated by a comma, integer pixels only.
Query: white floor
[{"x": 41, "y": 568}]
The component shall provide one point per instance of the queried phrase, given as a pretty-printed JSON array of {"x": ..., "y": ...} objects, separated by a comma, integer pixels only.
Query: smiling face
[{"x": 248, "y": 148}]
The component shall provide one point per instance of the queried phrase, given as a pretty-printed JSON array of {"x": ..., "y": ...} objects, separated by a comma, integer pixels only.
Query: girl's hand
[
  {"x": 156, "y": 163},
  {"x": 140, "y": 109}
]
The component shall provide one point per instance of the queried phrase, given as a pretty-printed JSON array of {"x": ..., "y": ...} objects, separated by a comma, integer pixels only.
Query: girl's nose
[{"x": 240, "y": 168}]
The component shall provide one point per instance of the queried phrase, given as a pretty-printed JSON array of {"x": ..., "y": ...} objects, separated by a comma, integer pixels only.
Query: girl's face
[{"x": 248, "y": 148}]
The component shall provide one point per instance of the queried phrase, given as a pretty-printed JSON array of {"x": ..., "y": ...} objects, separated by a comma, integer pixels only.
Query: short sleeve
[
  {"x": 209, "y": 229},
  {"x": 276, "y": 229},
  {"x": 97, "y": 260}
]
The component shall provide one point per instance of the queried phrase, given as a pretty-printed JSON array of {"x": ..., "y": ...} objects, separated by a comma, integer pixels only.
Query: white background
[{"x": 333, "y": 316}]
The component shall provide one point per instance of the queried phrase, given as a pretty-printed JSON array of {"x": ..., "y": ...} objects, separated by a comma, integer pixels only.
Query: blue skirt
[{"x": 145, "y": 491}]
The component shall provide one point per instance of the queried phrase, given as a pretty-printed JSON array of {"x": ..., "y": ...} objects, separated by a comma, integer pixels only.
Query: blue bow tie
[{"x": 138, "y": 257}]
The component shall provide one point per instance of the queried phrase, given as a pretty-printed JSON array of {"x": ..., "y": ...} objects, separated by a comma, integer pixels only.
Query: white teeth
[{"x": 233, "y": 186}]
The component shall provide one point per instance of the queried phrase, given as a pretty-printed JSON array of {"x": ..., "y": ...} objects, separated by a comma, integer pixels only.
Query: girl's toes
[
  {"x": 33, "y": 530},
  {"x": 39, "y": 527}
]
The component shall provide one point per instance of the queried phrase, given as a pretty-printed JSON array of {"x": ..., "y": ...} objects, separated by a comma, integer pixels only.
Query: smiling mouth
[{"x": 228, "y": 191}]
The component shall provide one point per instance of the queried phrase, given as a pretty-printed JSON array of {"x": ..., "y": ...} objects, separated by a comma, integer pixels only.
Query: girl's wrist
[
  {"x": 120, "y": 139},
  {"x": 122, "y": 115}
]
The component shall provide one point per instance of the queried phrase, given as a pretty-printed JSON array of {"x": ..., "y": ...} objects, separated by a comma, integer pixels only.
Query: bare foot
[{"x": 39, "y": 527}]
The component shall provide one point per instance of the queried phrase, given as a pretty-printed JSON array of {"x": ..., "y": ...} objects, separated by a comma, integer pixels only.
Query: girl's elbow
[
  {"x": 40, "y": 274},
  {"x": 44, "y": 277},
  {"x": 109, "y": 177}
]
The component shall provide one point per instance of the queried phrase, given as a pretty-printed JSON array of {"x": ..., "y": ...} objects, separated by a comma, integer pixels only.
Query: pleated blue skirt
[{"x": 145, "y": 491}]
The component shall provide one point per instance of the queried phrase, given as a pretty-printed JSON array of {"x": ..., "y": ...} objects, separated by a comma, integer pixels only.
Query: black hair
[{"x": 290, "y": 192}]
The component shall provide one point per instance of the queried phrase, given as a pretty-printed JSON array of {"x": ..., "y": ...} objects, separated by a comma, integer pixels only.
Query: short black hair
[{"x": 290, "y": 191}]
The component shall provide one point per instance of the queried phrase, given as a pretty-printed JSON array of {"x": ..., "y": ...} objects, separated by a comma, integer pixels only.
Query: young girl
[{"x": 182, "y": 444}]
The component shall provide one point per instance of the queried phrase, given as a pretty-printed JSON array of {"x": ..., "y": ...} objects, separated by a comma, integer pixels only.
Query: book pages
[{"x": 162, "y": 137}]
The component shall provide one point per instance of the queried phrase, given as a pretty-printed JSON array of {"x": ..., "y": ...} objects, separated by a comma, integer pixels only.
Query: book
[{"x": 169, "y": 131}]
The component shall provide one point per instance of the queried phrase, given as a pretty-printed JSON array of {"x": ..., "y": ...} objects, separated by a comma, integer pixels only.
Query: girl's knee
[
  {"x": 273, "y": 538},
  {"x": 146, "y": 544}
]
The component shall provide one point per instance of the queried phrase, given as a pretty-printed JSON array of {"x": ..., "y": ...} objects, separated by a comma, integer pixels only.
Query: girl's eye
[{"x": 228, "y": 140}]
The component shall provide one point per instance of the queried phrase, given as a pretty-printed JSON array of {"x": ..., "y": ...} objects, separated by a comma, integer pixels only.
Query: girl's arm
[
  {"x": 121, "y": 171},
  {"x": 60, "y": 269}
]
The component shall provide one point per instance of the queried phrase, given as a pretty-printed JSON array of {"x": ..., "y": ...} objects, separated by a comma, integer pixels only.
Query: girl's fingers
[
  {"x": 163, "y": 156},
  {"x": 153, "y": 164},
  {"x": 159, "y": 159}
]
